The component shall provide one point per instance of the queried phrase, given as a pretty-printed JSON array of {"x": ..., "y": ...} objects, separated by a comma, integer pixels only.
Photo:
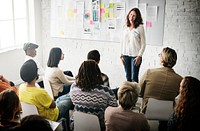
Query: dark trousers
[{"x": 132, "y": 71}]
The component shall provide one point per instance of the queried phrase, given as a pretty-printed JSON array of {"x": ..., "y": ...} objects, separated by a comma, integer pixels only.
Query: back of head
[
  {"x": 94, "y": 55},
  {"x": 89, "y": 75},
  {"x": 128, "y": 95},
  {"x": 169, "y": 57},
  {"x": 33, "y": 123},
  {"x": 54, "y": 57},
  {"x": 9, "y": 105},
  {"x": 187, "y": 109},
  {"x": 28, "y": 71}
]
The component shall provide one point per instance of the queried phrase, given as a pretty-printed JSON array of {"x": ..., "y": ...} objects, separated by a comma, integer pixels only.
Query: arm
[
  {"x": 142, "y": 83},
  {"x": 64, "y": 78},
  {"x": 53, "y": 104}
]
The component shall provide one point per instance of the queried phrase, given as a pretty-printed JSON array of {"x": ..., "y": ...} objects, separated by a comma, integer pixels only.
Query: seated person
[
  {"x": 9, "y": 109},
  {"x": 33, "y": 123},
  {"x": 6, "y": 84},
  {"x": 187, "y": 110},
  {"x": 30, "y": 52},
  {"x": 59, "y": 82},
  {"x": 88, "y": 94},
  {"x": 94, "y": 55},
  {"x": 122, "y": 118},
  {"x": 29, "y": 93}
]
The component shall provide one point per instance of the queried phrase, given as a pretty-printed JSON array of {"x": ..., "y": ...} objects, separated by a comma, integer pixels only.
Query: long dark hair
[
  {"x": 187, "y": 111},
  {"x": 9, "y": 106},
  {"x": 89, "y": 75},
  {"x": 54, "y": 57},
  {"x": 138, "y": 19}
]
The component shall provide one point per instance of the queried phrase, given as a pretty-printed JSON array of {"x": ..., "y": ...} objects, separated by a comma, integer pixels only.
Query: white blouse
[{"x": 133, "y": 41}]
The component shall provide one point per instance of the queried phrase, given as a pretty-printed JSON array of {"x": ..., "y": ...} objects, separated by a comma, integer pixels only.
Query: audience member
[
  {"x": 88, "y": 94},
  {"x": 122, "y": 118},
  {"x": 6, "y": 84},
  {"x": 29, "y": 93},
  {"x": 9, "y": 109},
  {"x": 95, "y": 55},
  {"x": 60, "y": 82},
  {"x": 33, "y": 123},
  {"x": 187, "y": 111},
  {"x": 30, "y": 51},
  {"x": 161, "y": 83}
]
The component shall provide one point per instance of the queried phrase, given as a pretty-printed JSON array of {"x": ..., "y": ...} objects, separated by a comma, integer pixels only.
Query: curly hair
[
  {"x": 138, "y": 19},
  {"x": 89, "y": 75},
  {"x": 188, "y": 108}
]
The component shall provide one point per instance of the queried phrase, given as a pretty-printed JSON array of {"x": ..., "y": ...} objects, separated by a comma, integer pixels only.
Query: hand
[
  {"x": 122, "y": 59},
  {"x": 137, "y": 60}
]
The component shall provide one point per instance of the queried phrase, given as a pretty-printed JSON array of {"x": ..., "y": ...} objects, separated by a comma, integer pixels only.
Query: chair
[
  {"x": 47, "y": 87},
  {"x": 85, "y": 122},
  {"x": 159, "y": 109},
  {"x": 30, "y": 109}
]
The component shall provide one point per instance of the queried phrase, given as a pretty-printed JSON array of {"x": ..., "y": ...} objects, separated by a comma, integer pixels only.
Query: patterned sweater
[{"x": 93, "y": 102}]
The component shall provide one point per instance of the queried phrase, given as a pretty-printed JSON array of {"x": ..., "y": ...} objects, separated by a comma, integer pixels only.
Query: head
[
  {"x": 30, "y": 49},
  {"x": 89, "y": 75},
  {"x": 33, "y": 123},
  {"x": 168, "y": 57},
  {"x": 134, "y": 16},
  {"x": 29, "y": 71},
  {"x": 9, "y": 106},
  {"x": 128, "y": 95},
  {"x": 188, "y": 106},
  {"x": 94, "y": 55},
  {"x": 55, "y": 56}
]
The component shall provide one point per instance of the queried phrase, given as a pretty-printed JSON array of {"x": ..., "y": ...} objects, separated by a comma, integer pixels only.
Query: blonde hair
[
  {"x": 169, "y": 57},
  {"x": 128, "y": 95}
]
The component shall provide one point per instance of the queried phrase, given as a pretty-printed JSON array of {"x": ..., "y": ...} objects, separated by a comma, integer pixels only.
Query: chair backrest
[
  {"x": 158, "y": 109},
  {"x": 85, "y": 122},
  {"x": 47, "y": 87},
  {"x": 28, "y": 109}
]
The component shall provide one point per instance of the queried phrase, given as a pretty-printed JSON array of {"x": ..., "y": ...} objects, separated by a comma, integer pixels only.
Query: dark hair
[
  {"x": 138, "y": 19},
  {"x": 33, "y": 123},
  {"x": 29, "y": 71},
  {"x": 187, "y": 111},
  {"x": 9, "y": 106},
  {"x": 54, "y": 57},
  {"x": 89, "y": 75},
  {"x": 94, "y": 55}
]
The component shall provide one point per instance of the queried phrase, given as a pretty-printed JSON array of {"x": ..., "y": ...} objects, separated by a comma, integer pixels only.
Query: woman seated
[
  {"x": 9, "y": 109},
  {"x": 88, "y": 94}
]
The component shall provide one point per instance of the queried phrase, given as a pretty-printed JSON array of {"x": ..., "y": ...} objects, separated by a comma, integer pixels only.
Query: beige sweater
[{"x": 57, "y": 79}]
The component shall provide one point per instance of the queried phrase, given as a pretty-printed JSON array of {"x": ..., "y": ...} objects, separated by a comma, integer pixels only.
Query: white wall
[{"x": 182, "y": 32}]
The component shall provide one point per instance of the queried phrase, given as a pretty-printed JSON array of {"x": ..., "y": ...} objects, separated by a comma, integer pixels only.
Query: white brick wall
[{"x": 182, "y": 32}]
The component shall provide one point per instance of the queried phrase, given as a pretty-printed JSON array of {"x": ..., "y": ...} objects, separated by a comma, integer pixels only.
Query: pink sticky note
[
  {"x": 148, "y": 24},
  {"x": 91, "y": 22},
  {"x": 75, "y": 10},
  {"x": 101, "y": 10}
]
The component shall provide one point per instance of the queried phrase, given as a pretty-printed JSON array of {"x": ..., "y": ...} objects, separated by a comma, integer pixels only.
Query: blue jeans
[
  {"x": 64, "y": 104},
  {"x": 132, "y": 71}
]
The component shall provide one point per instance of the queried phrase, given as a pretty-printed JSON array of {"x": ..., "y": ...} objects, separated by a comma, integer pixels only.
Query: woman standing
[{"x": 133, "y": 44}]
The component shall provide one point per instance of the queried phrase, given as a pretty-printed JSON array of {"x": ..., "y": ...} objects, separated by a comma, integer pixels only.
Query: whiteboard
[{"x": 103, "y": 20}]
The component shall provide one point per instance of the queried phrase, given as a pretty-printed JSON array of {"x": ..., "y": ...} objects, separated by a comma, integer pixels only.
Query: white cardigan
[{"x": 133, "y": 41}]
